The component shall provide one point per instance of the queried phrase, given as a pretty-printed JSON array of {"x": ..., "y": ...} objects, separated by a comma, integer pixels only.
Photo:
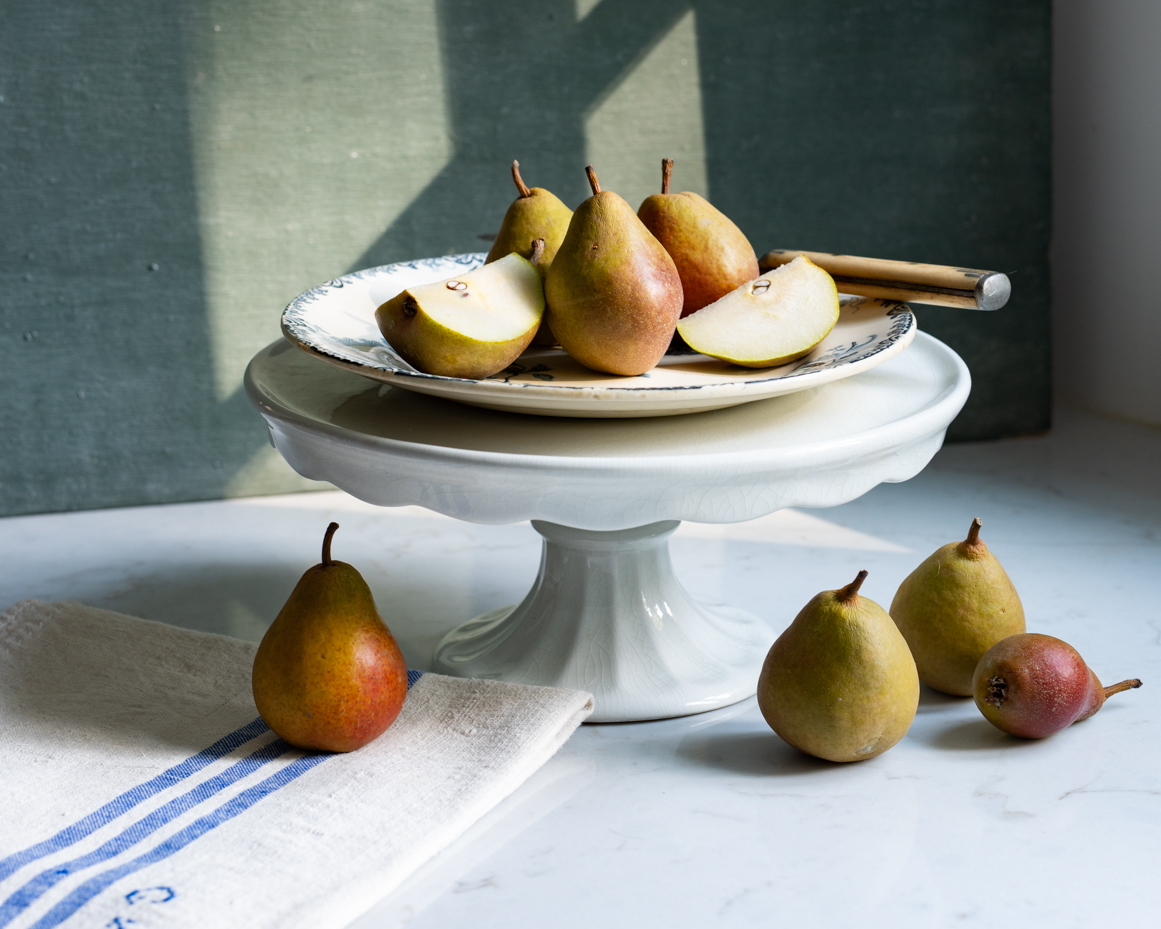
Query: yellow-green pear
[
  {"x": 955, "y": 606},
  {"x": 840, "y": 683},
  {"x": 472, "y": 325},
  {"x": 328, "y": 674},
  {"x": 613, "y": 292},
  {"x": 769, "y": 321},
  {"x": 713, "y": 256},
  {"x": 535, "y": 214}
]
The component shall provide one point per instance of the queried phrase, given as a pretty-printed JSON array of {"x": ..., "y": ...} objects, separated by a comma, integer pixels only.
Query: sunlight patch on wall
[
  {"x": 654, "y": 113},
  {"x": 584, "y": 7},
  {"x": 311, "y": 134}
]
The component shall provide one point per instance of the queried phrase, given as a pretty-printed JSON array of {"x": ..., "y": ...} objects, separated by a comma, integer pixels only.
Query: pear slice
[
  {"x": 768, "y": 322},
  {"x": 472, "y": 325}
]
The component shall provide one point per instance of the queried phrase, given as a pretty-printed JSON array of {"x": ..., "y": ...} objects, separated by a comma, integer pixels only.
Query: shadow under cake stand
[{"x": 606, "y": 613}]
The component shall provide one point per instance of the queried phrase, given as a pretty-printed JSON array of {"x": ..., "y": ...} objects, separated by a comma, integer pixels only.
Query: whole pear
[
  {"x": 535, "y": 214},
  {"x": 613, "y": 292},
  {"x": 713, "y": 256},
  {"x": 328, "y": 675},
  {"x": 840, "y": 683},
  {"x": 951, "y": 609},
  {"x": 1033, "y": 685}
]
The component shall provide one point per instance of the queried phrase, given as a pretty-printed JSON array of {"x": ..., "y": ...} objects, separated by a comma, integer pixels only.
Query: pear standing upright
[
  {"x": 713, "y": 256},
  {"x": 535, "y": 214},
  {"x": 328, "y": 673},
  {"x": 951, "y": 609},
  {"x": 613, "y": 292},
  {"x": 839, "y": 683}
]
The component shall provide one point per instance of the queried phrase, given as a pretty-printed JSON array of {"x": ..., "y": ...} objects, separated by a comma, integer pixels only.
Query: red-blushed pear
[
  {"x": 469, "y": 326},
  {"x": 535, "y": 214},
  {"x": 712, "y": 255},
  {"x": 839, "y": 683},
  {"x": 328, "y": 674},
  {"x": 613, "y": 292},
  {"x": 1033, "y": 685}
]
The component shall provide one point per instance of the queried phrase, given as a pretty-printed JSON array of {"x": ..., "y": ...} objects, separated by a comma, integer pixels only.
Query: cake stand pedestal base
[{"x": 607, "y": 615}]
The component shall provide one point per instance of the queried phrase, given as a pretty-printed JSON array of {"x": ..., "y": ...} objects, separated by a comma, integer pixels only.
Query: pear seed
[
  {"x": 760, "y": 287},
  {"x": 456, "y": 285}
]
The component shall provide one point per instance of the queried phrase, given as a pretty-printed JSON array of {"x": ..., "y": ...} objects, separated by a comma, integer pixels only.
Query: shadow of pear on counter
[{"x": 329, "y": 675}]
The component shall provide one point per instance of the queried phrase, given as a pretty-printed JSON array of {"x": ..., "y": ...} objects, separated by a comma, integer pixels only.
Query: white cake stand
[{"x": 606, "y": 613}]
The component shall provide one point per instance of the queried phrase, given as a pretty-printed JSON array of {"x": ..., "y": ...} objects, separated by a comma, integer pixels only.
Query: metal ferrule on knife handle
[{"x": 904, "y": 280}]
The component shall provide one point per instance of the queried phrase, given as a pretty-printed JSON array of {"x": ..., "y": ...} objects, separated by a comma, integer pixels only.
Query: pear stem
[
  {"x": 974, "y": 532},
  {"x": 326, "y": 561},
  {"x": 593, "y": 183},
  {"x": 520, "y": 185},
  {"x": 848, "y": 593},
  {"x": 1132, "y": 684},
  {"x": 666, "y": 172},
  {"x": 537, "y": 251}
]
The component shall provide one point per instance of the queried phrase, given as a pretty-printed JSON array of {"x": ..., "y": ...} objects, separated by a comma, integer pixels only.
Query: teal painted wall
[{"x": 172, "y": 174}]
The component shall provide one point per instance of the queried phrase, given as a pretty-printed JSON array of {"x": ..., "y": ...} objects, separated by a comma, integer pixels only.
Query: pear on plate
[
  {"x": 472, "y": 325},
  {"x": 535, "y": 214},
  {"x": 955, "y": 606},
  {"x": 613, "y": 292},
  {"x": 840, "y": 683},
  {"x": 769, "y": 321},
  {"x": 713, "y": 256},
  {"x": 328, "y": 674}
]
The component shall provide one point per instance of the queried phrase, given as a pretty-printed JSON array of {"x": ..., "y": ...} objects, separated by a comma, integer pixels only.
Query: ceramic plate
[{"x": 336, "y": 322}]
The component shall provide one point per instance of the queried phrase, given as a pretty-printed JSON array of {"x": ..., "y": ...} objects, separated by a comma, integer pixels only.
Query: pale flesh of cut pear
[
  {"x": 769, "y": 321},
  {"x": 472, "y": 325}
]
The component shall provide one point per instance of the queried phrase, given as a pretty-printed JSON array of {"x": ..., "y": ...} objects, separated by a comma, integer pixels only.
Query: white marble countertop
[{"x": 712, "y": 819}]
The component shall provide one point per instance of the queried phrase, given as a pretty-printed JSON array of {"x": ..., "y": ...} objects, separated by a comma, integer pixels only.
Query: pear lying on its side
[
  {"x": 839, "y": 683},
  {"x": 951, "y": 609},
  {"x": 769, "y": 321},
  {"x": 328, "y": 674},
  {"x": 713, "y": 256},
  {"x": 471, "y": 326},
  {"x": 535, "y": 214}
]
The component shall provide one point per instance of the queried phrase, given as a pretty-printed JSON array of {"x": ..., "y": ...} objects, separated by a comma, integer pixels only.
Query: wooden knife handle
[{"x": 904, "y": 280}]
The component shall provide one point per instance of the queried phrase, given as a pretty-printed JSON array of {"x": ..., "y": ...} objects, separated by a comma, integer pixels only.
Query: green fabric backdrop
[{"x": 173, "y": 173}]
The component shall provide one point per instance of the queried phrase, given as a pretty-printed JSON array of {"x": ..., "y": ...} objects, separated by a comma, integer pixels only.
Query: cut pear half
[
  {"x": 769, "y": 321},
  {"x": 472, "y": 325}
]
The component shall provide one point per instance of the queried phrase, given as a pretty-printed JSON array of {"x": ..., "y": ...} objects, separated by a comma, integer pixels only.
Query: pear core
[{"x": 769, "y": 321}]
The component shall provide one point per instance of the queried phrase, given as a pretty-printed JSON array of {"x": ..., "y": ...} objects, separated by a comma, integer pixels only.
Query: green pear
[
  {"x": 328, "y": 674},
  {"x": 712, "y": 255},
  {"x": 951, "y": 609},
  {"x": 535, "y": 214},
  {"x": 769, "y": 321},
  {"x": 613, "y": 292},
  {"x": 472, "y": 325},
  {"x": 839, "y": 683}
]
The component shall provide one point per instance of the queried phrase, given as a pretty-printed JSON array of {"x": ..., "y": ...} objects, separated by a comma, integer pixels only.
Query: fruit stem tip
[
  {"x": 1132, "y": 684},
  {"x": 537, "y": 251},
  {"x": 520, "y": 185},
  {"x": 330, "y": 534},
  {"x": 593, "y": 183},
  {"x": 973, "y": 535},
  {"x": 848, "y": 593},
  {"x": 666, "y": 173}
]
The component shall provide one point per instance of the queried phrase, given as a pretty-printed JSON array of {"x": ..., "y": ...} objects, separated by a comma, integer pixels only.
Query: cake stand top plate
[{"x": 818, "y": 447}]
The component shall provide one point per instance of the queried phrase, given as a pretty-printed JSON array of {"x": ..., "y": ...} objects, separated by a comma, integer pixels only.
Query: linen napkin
[{"x": 139, "y": 788}]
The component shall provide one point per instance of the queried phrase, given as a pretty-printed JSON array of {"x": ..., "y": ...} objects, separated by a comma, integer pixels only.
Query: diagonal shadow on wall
[{"x": 520, "y": 79}]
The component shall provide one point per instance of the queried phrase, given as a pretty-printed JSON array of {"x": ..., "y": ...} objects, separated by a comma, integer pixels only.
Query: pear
[
  {"x": 839, "y": 683},
  {"x": 955, "y": 606},
  {"x": 535, "y": 214},
  {"x": 613, "y": 292},
  {"x": 472, "y": 325},
  {"x": 328, "y": 674},
  {"x": 769, "y": 321},
  {"x": 1033, "y": 685},
  {"x": 712, "y": 255}
]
